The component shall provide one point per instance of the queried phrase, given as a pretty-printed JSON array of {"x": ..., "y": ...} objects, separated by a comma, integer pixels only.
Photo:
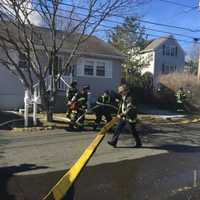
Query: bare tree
[{"x": 60, "y": 21}]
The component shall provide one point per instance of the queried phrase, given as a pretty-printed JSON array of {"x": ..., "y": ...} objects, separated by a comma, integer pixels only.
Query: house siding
[
  {"x": 161, "y": 59},
  {"x": 11, "y": 90},
  {"x": 155, "y": 67}
]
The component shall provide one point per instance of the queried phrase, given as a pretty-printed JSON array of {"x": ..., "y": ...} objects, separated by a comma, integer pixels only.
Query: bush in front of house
[
  {"x": 170, "y": 83},
  {"x": 141, "y": 87}
]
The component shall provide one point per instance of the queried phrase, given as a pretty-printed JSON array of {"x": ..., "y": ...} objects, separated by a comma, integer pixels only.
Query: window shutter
[{"x": 108, "y": 70}]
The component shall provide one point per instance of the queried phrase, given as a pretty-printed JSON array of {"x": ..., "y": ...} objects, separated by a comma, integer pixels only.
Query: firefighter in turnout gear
[
  {"x": 70, "y": 93},
  {"x": 77, "y": 115},
  {"x": 128, "y": 116},
  {"x": 102, "y": 109},
  {"x": 180, "y": 99}
]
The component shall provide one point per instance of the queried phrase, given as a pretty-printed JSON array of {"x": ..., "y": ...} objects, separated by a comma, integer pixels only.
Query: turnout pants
[{"x": 131, "y": 127}]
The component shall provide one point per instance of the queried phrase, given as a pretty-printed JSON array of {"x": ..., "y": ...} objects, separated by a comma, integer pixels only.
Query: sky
[{"x": 171, "y": 13}]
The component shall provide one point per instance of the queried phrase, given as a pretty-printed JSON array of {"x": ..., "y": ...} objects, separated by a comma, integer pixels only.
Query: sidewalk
[{"x": 146, "y": 113}]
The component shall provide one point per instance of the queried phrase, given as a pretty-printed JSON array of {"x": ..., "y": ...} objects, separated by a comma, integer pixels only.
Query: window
[
  {"x": 37, "y": 39},
  {"x": 89, "y": 68},
  {"x": 23, "y": 62},
  {"x": 163, "y": 68},
  {"x": 170, "y": 50},
  {"x": 94, "y": 68},
  {"x": 167, "y": 50},
  {"x": 168, "y": 68},
  {"x": 163, "y": 50},
  {"x": 174, "y": 51},
  {"x": 100, "y": 69},
  {"x": 58, "y": 64},
  {"x": 172, "y": 68}
]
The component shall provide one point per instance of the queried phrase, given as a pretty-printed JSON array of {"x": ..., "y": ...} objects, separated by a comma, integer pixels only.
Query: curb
[
  {"x": 171, "y": 120},
  {"x": 31, "y": 129},
  {"x": 64, "y": 120}
]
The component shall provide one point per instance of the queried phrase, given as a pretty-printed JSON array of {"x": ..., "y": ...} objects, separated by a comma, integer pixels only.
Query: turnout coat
[{"x": 127, "y": 109}]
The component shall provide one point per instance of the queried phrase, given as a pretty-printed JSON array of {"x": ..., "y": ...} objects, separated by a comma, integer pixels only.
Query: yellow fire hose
[{"x": 63, "y": 185}]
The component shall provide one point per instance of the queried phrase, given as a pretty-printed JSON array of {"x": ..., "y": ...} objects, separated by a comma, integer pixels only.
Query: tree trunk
[
  {"x": 50, "y": 107},
  {"x": 47, "y": 102},
  {"x": 49, "y": 114}
]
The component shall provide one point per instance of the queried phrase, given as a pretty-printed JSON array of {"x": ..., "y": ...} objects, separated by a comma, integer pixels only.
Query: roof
[
  {"x": 92, "y": 46},
  {"x": 156, "y": 42}
]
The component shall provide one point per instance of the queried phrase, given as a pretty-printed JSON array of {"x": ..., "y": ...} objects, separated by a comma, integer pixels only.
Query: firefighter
[
  {"x": 80, "y": 98},
  {"x": 180, "y": 99},
  {"x": 128, "y": 115},
  {"x": 103, "y": 108},
  {"x": 70, "y": 92}
]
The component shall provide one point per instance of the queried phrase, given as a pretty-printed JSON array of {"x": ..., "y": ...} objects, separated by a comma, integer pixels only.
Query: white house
[
  {"x": 97, "y": 64},
  {"x": 162, "y": 56}
]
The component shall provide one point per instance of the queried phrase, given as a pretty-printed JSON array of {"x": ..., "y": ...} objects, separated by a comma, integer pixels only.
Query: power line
[
  {"x": 119, "y": 22},
  {"x": 144, "y": 21},
  {"x": 178, "y": 4},
  {"x": 140, "y": 20}
]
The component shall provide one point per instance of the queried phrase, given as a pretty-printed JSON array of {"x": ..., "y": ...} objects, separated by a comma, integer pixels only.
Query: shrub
[
  {"x": 142, "y": 87},
  {"x": 170, "y": 83}
]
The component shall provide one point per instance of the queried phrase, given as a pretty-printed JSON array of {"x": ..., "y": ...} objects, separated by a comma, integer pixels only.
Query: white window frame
[{"x": 81, "y": 68}]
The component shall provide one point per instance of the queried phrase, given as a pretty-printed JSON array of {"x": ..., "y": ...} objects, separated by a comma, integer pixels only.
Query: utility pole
[{"x": 198, "y": 67}]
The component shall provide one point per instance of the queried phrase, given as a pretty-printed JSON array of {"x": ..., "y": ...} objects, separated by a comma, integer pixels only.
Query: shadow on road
[
  {"x": 9, "y": 186},
  {"x": 179, "y": 148}
]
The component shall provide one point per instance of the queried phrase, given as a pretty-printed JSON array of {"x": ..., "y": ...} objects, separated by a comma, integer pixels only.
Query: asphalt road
[{"x": 167, "y": 167}]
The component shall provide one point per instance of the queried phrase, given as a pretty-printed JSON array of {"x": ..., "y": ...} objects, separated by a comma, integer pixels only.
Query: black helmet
[{"x": 74, "y": 83}]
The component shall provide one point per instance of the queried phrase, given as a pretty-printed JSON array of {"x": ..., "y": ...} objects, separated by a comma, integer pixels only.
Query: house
[
  {"x": 163, "y": 55},
  {"x": 97, "y": 64}
]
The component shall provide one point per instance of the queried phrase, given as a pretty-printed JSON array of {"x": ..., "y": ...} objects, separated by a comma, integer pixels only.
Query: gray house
[
  {"x": 97, "y": 64},
  {"x": 163, "y": 55}
]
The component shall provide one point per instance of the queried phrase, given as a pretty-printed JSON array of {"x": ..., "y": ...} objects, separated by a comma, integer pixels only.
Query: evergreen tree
[{"x": 130, "y": 39}]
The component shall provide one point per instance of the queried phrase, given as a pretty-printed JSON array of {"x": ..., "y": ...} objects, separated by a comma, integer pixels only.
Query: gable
[{"x": 155, "y": 44}]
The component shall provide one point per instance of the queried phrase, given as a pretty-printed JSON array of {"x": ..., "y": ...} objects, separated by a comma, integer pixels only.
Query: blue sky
[
  {"x": 185, "y": 15},
  {"x": 165, "y": 12}
]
